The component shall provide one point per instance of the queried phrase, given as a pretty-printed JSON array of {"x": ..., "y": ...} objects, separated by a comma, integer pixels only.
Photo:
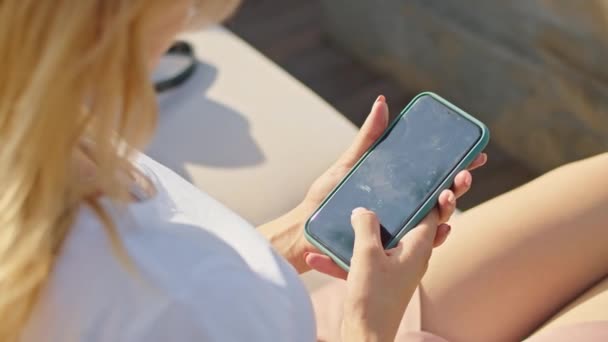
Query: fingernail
[
  {"x": 452, "y": 198},
  {"x": 358, "y": 211},
  {"x": 381, "y": 98},
  {"x": 448, "y": 230},
  {"x": 468, "y": 180},
  {"x": 306, "y": 255}
]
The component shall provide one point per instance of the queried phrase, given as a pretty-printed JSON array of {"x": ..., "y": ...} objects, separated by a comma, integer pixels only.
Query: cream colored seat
[{"x": 245, "y": 131}]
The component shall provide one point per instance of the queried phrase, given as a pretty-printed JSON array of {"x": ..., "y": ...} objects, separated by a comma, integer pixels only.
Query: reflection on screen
[{"x": 394, "y": 180}]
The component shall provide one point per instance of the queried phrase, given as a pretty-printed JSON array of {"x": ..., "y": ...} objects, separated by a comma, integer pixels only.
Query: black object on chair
[{"x": 185, "y": 53}]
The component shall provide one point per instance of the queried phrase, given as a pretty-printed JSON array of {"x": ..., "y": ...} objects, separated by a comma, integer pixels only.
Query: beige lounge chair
[{"x": 246, "y": 132}]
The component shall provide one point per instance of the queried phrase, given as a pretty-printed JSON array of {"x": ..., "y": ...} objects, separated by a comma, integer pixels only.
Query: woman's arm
[{"x": 286, "y": 236}]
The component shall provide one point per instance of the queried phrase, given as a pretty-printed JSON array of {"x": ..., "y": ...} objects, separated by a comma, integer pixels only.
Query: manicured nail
[
  {"x": 448, "y": 230},
  {"x": 358, "y": 211}
]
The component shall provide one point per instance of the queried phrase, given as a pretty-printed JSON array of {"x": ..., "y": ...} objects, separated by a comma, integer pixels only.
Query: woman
[{"x": 99, "y": 243}]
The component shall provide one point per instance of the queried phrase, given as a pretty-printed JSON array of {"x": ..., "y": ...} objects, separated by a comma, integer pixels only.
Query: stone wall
[{"x": 536, "y": 71}]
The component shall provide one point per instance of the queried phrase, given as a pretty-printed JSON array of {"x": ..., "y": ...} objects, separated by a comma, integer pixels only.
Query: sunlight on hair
[{"x": 73, "y": 71}]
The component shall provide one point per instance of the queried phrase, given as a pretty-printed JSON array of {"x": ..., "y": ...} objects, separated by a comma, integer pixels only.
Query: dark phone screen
[{"x": 396, "y": 178}]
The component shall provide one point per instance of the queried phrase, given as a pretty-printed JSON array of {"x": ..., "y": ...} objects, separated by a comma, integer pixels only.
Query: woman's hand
[
  {"x": 287, "y": 232},
  {"x": 440, "y": 214},
  {"x": 381, "y": 283},
  {"x": 374, "y": 126}
]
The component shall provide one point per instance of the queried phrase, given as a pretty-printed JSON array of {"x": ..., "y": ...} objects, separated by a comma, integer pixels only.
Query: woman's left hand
[{"x": 374, "y": 126}]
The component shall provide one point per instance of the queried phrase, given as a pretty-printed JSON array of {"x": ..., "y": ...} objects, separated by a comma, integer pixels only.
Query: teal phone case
[{"x": 432, "y": 200}]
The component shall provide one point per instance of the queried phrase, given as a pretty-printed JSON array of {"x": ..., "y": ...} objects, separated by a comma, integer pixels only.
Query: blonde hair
[{"x": 75, "y": 87}]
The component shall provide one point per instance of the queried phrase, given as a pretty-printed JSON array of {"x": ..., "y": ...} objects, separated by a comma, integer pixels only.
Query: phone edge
[
  {"x": 446, "y": 184},
  {"x": 430, "y": 203}
]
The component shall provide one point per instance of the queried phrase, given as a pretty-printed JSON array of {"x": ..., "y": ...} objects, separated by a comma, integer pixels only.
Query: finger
[
  {"x": 446, "y": 205},
  {"x": 423, "y": 235},
  {"x": 324, "y": 264},
  {"x": 372, "y": 129},
  {"x": 464, "y": 179},
  {"x": 462, "y": 183},
  {"x": 367, "y": 233},
  {"x": 443, "y": 231},
  {"x": 480, "y": 161}
]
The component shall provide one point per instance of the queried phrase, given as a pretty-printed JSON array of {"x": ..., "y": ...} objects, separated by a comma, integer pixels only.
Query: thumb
[
  {"x": 372, "y": 129},
  {"x": 367, "y": 234}
]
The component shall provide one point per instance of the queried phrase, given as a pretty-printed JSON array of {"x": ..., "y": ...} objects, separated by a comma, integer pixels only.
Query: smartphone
[{"x": 401, "y": 176}]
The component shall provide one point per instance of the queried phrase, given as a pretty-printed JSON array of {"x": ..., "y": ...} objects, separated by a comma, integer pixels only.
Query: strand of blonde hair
[{"x": 76, "y": 71}]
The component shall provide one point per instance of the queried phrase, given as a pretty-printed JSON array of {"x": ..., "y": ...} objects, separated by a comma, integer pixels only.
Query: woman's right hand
[{"x": 381, "y": 282}]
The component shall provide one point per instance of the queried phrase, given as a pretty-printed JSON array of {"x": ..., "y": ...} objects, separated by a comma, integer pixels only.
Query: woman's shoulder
[
  {"x": 193, "y": 269},
  {"x": 180, "y": 282},
  {"x": 193, "y": 213}
]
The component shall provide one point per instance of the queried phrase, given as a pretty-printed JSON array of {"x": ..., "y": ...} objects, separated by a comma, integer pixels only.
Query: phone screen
[{"x": 422, "y": 149}]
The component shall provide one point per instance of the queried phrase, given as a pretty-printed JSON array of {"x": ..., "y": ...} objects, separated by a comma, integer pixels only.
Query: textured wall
[{"x": 536, "y": 71}]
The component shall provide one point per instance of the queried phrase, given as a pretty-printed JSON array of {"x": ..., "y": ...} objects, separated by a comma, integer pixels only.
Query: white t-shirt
[{"x": 202, "y": 274}]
